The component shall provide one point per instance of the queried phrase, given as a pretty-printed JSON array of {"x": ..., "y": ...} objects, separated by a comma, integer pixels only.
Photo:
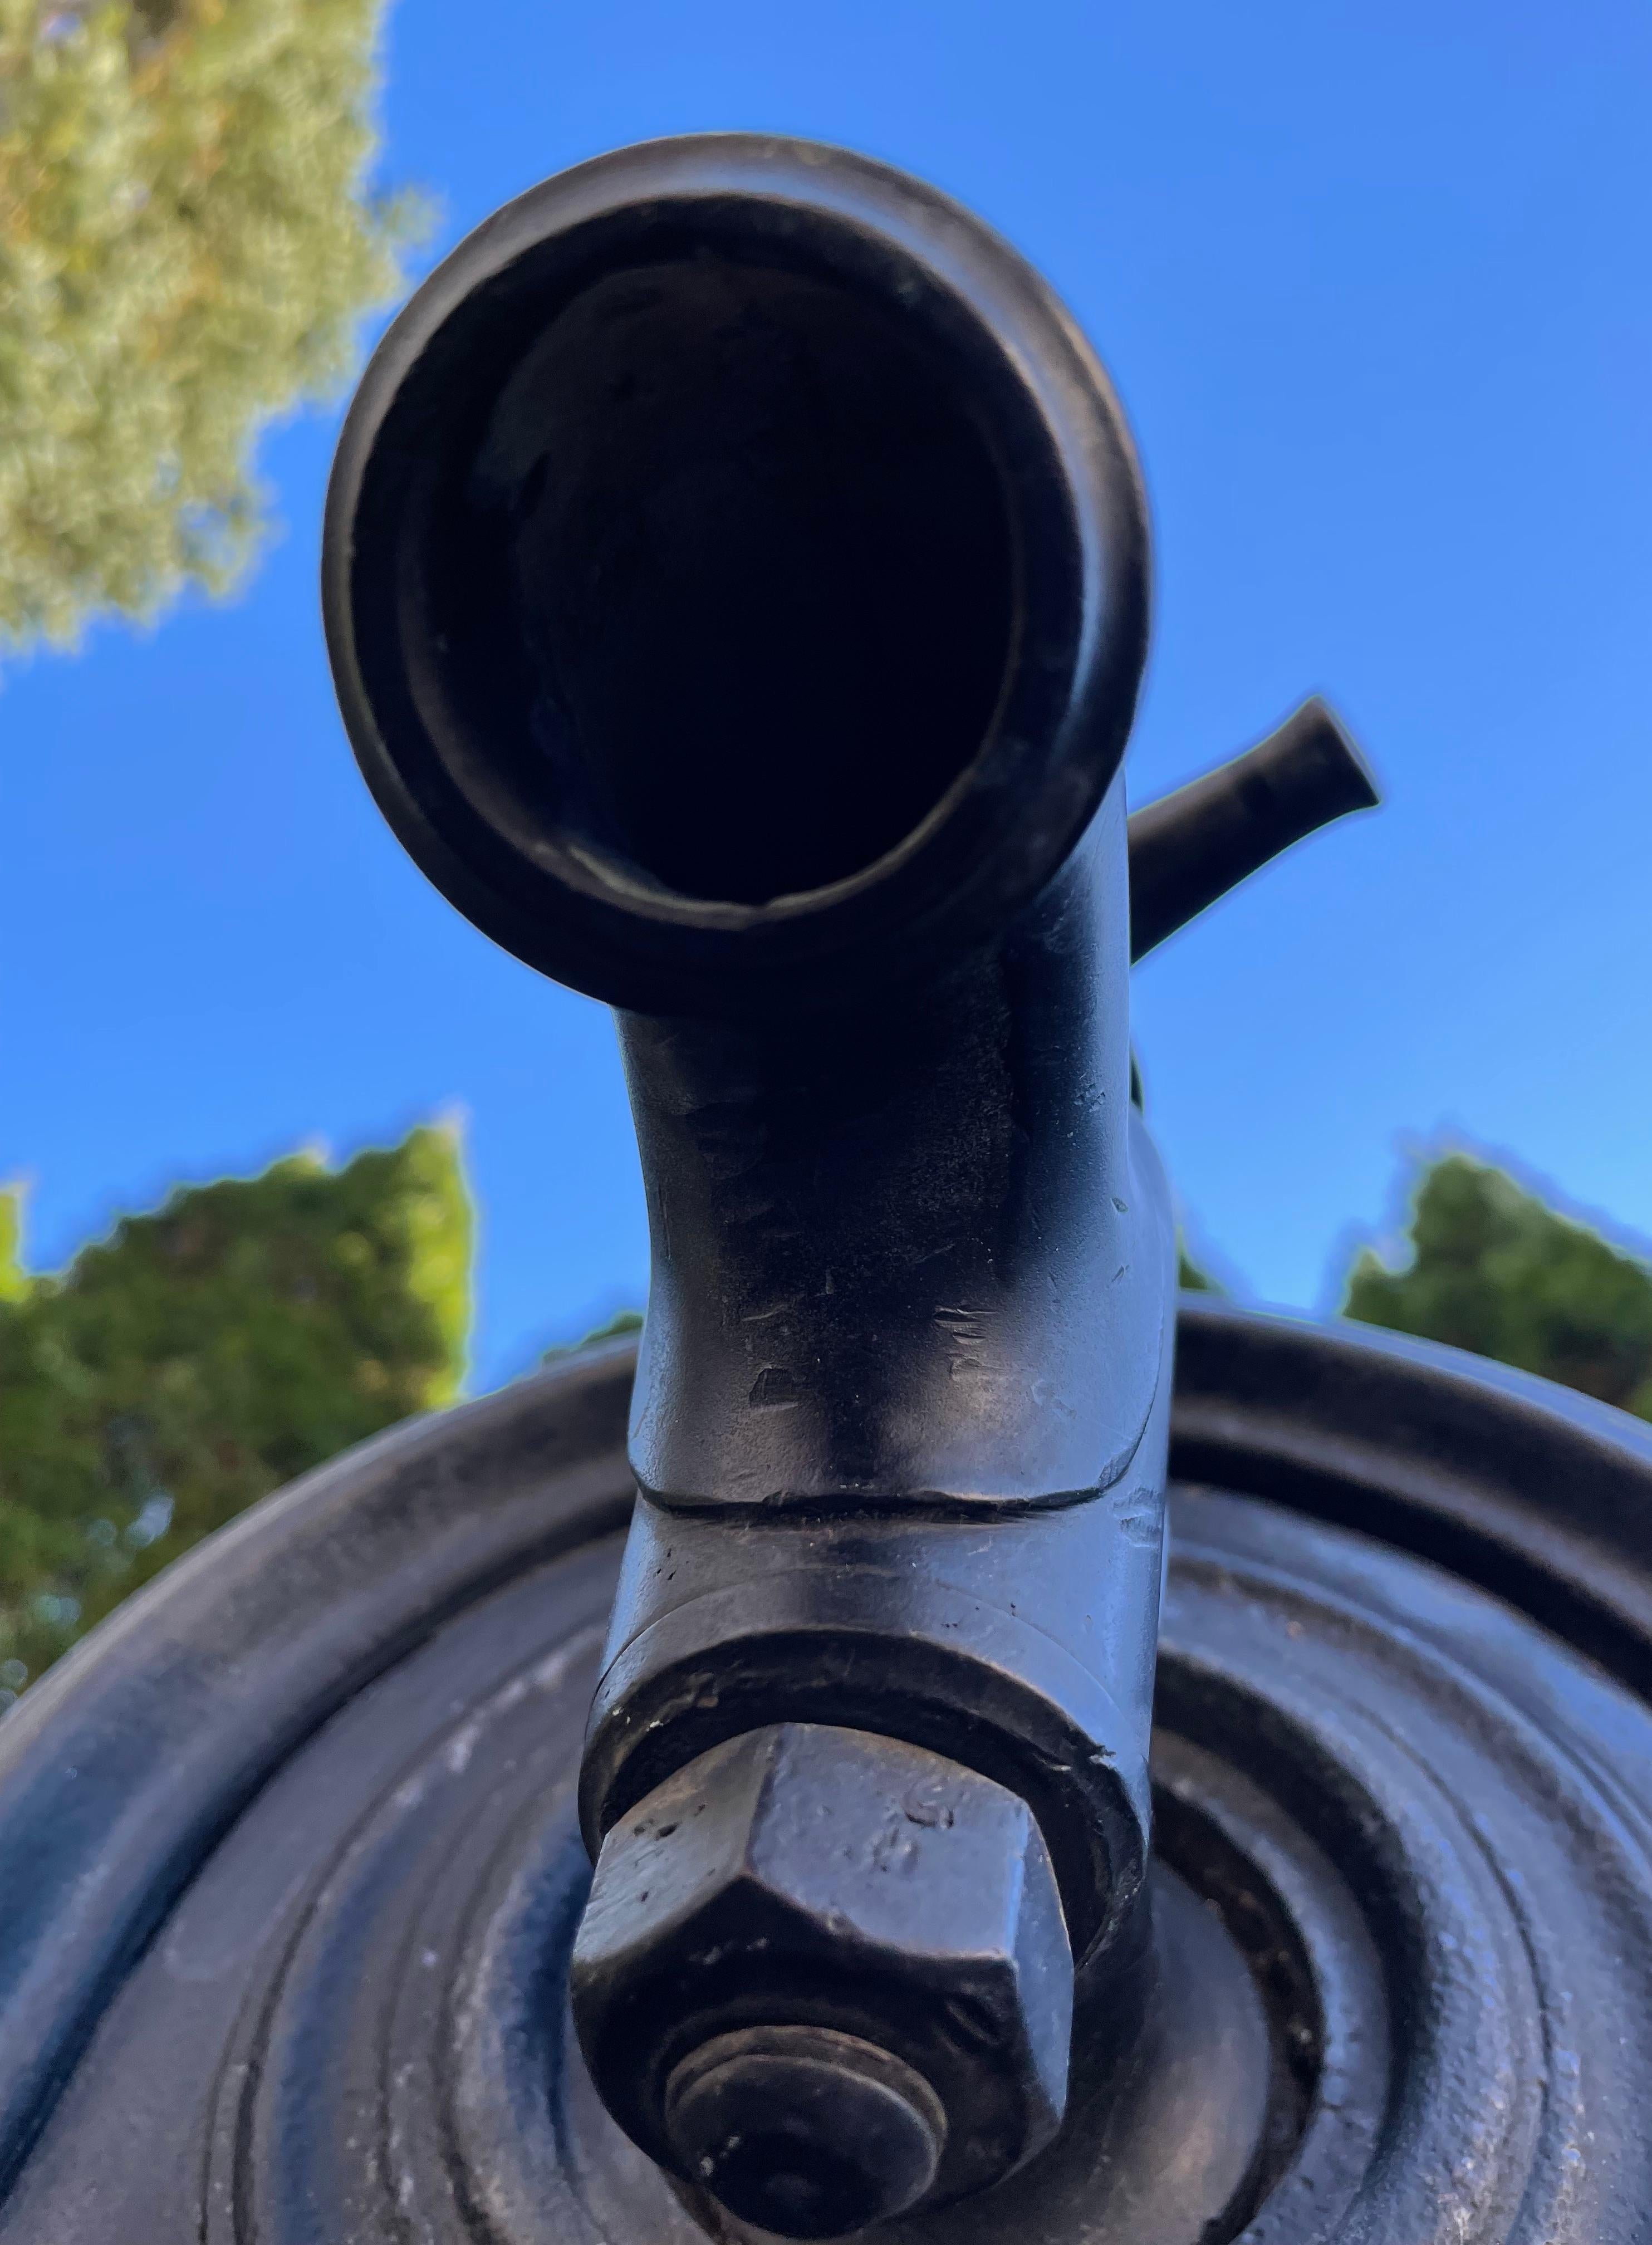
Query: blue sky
[{"x": 1376, "y": 286}]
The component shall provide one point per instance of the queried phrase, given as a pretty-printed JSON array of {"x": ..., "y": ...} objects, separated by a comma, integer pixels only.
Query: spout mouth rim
[{"x": 1002, "y": 828}]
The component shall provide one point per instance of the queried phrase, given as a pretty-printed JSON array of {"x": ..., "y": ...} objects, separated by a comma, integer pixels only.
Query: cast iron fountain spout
[{"x": 736, "y": 581}]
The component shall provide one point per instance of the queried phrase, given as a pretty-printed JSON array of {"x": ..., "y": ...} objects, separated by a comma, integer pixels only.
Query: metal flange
[{"x": 294, "y": 1863}]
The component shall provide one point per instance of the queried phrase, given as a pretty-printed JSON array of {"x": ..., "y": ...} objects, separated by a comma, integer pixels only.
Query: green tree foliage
[
  {"x": 204, "y": 1354},
  {"x": 622, "y": 1321},
  {"x": 184, "y": 247},
  {"x": 1493, "y": 1270},
  {"x": 1190, "y": 1277}
]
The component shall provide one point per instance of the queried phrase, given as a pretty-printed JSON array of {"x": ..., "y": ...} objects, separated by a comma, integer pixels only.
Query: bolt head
[{"x": 806, "y": 1880}]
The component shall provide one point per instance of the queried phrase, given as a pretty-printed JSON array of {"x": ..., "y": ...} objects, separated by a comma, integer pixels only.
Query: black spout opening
[
  {"x": 737, "y": 558},
  {"x": 734, "y": 577}
]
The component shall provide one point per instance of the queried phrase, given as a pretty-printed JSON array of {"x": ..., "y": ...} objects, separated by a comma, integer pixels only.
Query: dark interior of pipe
[{"x": 756, "y": 571}]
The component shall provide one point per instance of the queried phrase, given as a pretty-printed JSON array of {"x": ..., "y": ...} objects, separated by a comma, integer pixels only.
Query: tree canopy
[
  {"x": 1191, "y": 1277},
  {"x": 204, "y": 1354},
  {"x": 186, "y": 245},
  {"x": 1492, "y": 1268}
]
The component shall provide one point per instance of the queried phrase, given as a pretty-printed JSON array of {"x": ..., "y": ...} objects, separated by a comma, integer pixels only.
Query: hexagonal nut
[{"x": 809, "y": 1878}]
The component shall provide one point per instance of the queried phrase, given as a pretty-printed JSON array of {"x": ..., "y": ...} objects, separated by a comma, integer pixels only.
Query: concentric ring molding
[{"x": 293, "y": 1856}]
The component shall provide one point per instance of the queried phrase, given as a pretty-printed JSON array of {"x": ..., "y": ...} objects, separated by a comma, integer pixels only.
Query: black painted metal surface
[
  {"x": 1190, "y": 848},
  {"x": 891, "y": 1977},
  {"x": 293, "y": 1863},
  {"x": 736, "y": 580}
]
